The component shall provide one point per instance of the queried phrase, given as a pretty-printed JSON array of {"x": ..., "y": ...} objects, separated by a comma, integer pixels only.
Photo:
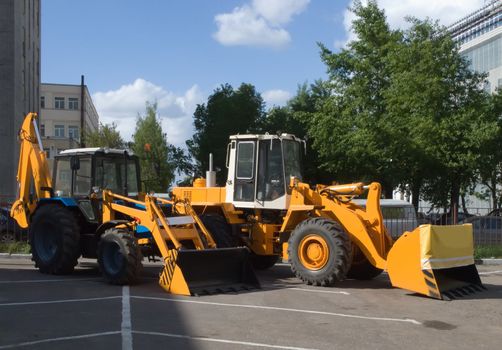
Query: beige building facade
[{"x": 63, "y": 116}]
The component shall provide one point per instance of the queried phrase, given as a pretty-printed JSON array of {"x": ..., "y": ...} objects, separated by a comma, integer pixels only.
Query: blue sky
[{"x": 178, "y": 52}]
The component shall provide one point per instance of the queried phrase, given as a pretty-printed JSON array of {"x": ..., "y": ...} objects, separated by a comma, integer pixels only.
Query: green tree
[
  {"x": 226, "y": 112},
  {"x": 106, "y": 135},
  {"x": 437, "y": 108},
  {"x": 349, "y": 129},
  {"x": 154, "y": 152},
  {"x": 490, "y": 162}
]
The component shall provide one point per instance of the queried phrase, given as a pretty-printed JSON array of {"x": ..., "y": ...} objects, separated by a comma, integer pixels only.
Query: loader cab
[
  {"x": 82, "y": 171},
  {"x": 260, "y": 168}
]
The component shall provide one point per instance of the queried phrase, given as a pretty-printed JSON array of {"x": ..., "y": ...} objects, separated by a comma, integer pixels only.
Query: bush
[
  {"x": 15, "y": 248},
  {"x": 487, "y": 251}
]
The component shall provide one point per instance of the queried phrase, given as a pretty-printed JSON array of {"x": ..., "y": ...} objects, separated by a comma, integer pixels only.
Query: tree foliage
[
  {"x": 227, "y": 112},
  {"x": 159, "y": 160},
  {"x": 106, "y": 135}
]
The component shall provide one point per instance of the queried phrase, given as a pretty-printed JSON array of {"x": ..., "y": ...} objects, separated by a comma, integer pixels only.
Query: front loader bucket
[
  {"x": 436, "y": 261},
  {"x": 208, "y": 271}
]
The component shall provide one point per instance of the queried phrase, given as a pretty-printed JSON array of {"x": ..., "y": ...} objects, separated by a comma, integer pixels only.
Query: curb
[
  {"x": 14, "y": 256},
  {"x": 488, "y": 261}
]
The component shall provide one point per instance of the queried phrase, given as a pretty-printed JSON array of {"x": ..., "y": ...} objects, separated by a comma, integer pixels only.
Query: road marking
[
  {"x": 58, "y": 301},
  {"x": 227, "y": 341},
  {"x": 126, "y": 320},
  {"x": 372, "y": 318},
  {"x": 287, "y": 287},
  {"x": 58, "y": 280},
  {"x": 489, "y": 273},
  {"x": 283, "y": 264},
  {"x": 30, "y": 343}
]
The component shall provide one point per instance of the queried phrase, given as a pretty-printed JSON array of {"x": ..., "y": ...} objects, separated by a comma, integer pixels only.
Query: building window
[
  {"x": 42, "y": 101},
  {"x": 73, "y": 103},
  {"x": 42, "y": 130},
  {"x": 59, "y": 102},
  {"x": 58, "y": 130},
  {"x": 73, "y": 132}
]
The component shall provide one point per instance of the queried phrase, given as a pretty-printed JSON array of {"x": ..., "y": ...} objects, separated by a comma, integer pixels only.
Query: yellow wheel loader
[
  {"x": 92, "y": 207},
  {"x": 323, "y": 234}
]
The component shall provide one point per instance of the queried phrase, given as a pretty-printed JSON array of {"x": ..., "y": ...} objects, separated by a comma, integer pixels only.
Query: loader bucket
[
  {"x": 436, "y": 261},
  {"x": 208, "y": 271}
]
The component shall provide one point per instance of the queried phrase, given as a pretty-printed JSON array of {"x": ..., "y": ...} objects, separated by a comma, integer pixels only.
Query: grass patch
[
  {"x": 488, "y": 251},
  {"x": 15, "y": 248}
]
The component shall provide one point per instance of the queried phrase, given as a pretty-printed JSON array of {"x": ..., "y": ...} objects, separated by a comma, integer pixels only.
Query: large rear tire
[
  {"x": 55, "y": 239},
  {"x": 361, "y": 268},
  {"x": 220, "y": 230},
  {"x": 319, "y": 252},
  {"x": 119, "y": 257}
]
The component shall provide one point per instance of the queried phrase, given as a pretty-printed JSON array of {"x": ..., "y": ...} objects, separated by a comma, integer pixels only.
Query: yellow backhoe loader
[
  {"x": 80, "y": 212},
  {"x": 325, "y": 236}
]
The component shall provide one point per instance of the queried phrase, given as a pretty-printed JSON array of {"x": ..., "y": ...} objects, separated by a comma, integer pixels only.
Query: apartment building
[
  {"x": 63, "y": 116},
  {"x": 19, "y": 81}
]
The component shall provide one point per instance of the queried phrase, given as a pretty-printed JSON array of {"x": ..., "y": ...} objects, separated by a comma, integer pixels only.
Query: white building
[
  {"x": 480, "y": 37},
  {"x": 63, "y": 116}
]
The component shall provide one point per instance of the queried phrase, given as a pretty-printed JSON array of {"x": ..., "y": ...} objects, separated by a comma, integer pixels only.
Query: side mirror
[{"x": 74, "y": 163}]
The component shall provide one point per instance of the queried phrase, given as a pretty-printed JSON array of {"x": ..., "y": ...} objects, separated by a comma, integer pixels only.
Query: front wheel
[
  {"x": 54, "y": 239},
  {"x": 119, "y": 257},
  {"x": 319, "y": 252}
]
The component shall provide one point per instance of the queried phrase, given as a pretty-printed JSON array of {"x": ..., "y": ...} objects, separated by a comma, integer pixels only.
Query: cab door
[{"x": 244, "y": 182}]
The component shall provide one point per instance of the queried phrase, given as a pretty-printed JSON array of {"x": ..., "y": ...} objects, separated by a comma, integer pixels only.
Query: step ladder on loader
[{"x": 193, "y": 264}]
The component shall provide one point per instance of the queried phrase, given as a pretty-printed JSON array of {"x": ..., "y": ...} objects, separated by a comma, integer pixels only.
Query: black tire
[
  {"x": 361, "y": 268},
  {"x": 338, "y": 251},
  {"x": 220, "y": 230},
  {"x": 263, "y": 262},
  {"x": 7, "y": 237},
  {"x": 55, "y": 239},
  {"x": 119, "y": 257}
]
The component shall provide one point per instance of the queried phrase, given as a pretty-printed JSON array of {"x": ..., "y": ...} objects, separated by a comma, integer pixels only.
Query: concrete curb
[
  {"x": 488, "y": 261},
  {"x": 14, "y": 256}
]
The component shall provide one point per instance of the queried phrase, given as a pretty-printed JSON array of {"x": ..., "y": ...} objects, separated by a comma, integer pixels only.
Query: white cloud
[
  {"x": 446, "y": 11},
  {"x": 123, "y": 105},
  {"x": 276, "y": 97},
  {"x": 258, "y": 24}
]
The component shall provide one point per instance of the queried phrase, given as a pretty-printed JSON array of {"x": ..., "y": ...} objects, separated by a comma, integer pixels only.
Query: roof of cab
[
  {"x": 264, "y": 137},
  {"x": 94, "y": 150}
]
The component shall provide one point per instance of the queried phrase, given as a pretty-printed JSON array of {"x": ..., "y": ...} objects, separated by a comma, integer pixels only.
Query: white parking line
[
  {"x": 59, "y": 301},
  {"x": 489, "y": 273},
  {"x": 126, "y": 320},
  {"x": 372, "y": 318},
  {"x": 288, "y": 287},
  {"x": 36, "y": 342},
  {"x": 53, "y": 280},
  {"x": 227, "y": 341}
]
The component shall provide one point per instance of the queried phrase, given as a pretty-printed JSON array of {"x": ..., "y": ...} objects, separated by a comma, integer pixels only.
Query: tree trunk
[
  {"x": 415, "y": 193},
  {"x": 455, "y": 193}
]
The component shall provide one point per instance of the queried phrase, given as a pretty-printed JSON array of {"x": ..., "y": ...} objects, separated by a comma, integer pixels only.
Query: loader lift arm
[{"x": 32, "y": 165}]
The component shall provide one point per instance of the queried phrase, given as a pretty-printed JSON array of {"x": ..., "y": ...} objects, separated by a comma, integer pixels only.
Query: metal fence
[
  {"x": 486, "y": 223},
  {"x": 9, "y": 229}
]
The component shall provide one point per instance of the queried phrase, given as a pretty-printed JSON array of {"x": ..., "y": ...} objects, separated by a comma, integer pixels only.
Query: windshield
[
  {"x": 63, "y": 177},
  {"x": 110, "y": 175},
  {"x": 292, "y": 156}
]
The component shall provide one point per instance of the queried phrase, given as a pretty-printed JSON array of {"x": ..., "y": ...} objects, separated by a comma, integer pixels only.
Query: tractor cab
[
  {"x": 82, "y": 171},
  {"x": 260, "y": 168}
]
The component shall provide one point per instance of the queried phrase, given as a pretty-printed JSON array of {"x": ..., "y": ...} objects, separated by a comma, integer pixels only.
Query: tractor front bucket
[
  {"x": 208, "y": 271},
  {"x": 436, "y": 261}
]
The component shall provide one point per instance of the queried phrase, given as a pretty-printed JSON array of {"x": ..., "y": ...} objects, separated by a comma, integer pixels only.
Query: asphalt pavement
[{"x": 81, "y": 311}]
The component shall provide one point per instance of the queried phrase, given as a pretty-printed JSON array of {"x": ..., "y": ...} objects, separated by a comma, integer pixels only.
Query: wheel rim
[
  {"x": 313, "y": 252},
  {"x": 112, "y": 258},
  {"x": 7, "y": 237}
]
